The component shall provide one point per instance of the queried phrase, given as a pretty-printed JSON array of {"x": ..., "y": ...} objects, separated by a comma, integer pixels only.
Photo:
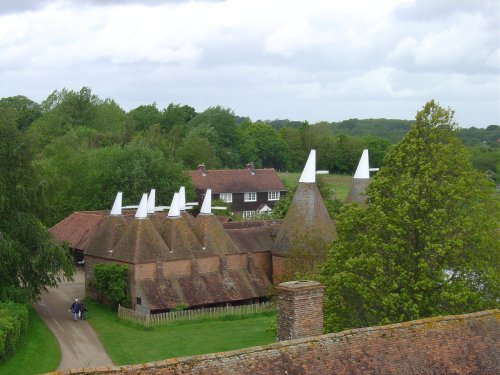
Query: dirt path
[{"x": 79, "y": 344}]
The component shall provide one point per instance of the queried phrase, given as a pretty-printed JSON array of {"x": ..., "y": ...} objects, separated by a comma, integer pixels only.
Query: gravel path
[{"x": 79, "y": 344}]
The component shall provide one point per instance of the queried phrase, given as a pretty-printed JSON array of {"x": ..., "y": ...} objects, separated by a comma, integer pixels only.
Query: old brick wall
[{"x": 465, "y": 344}]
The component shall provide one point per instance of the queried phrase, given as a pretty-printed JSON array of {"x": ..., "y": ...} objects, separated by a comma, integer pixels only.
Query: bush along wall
[{"x": 14, "y": 319}]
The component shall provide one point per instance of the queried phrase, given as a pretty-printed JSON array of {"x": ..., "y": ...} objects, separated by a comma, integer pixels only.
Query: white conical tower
[
  {"x": 363, "y": 170},
  {"x": 175, "y": 210},
  {"x": 151, "y": 201},
  {"x": 182, "y": 198},
  {"x": 206, "y": 208},
  {"x": 309, "y": 173},
  {"x": 142, "y": 210},
  {"x": 117, "y": 206}
]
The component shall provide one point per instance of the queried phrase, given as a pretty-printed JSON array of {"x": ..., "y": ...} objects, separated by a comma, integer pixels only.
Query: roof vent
[
  {"x": 309, "y": 173},
  {"x": 142, "y": 210},
  {"x": 117, "y": 206},
  {"x": 174, "y": 207},
  {"x": 206, "y": 208},
  {"x": 202, "y": 169},
  {"x": 363, "y": 170},
  {"x": 182, "y": 198},
  {"x": 151, "y": 201}
]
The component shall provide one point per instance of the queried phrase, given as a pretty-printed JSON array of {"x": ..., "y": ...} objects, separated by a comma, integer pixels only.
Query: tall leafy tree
[
  {"x": 427, "y": 244},
  {"x": 27, "y": 110},
  {"x": 30, "y": 261}
]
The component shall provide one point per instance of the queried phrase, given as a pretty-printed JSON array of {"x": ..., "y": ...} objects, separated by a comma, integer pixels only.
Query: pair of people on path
[{"x": 78, "y": 309}]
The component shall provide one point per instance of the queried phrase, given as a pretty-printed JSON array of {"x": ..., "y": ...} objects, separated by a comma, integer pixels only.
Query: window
[
  {"x": 248, "y": 214},
  {"x": 250, "y": 197},
  {"x": 226, "y": 197},
  {"x": 138, "y": 300},
  {"x": 273, "y": 196}
]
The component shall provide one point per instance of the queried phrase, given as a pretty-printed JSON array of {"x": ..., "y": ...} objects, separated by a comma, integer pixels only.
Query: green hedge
[{"x": 14, "y": 319}]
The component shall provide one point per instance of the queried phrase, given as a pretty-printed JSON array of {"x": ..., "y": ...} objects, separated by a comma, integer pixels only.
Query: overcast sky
[{"x": 302, "y": 60}]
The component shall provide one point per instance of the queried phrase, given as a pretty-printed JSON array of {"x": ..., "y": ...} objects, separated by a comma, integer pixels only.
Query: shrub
[
  {"x": 14, "y": 319},
  {"x": 112, "y": 281}
]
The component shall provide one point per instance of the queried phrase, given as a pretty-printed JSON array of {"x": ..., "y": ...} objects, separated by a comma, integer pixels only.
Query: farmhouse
[{"x": 248, "y": 191}]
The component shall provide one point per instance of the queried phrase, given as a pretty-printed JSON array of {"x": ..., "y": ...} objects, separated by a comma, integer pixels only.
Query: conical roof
[
  {"x": 360, "y": 180},
  {"x": 213, "y": 237},
  {"x": 357, "y": 191},
  {"x": 306, "y": 219},
  {"x": 140, "y": 243},
  {"x": 179, "y": 237},
  {"x": 107, "y": 235}
]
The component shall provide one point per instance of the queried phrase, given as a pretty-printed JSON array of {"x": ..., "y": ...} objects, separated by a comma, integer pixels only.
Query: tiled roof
[
  {"x": 306, "y": 218},
  {"x": 251, "y": 239},
  {"x": 109, "y": 231},
  {"x": 204, "y": 289},
  {"x": 77, "y": 228},
  {"x": 357, "y": 191},
  {"x": 237, "y": 180},
  {"x": 213, "y": 236}
]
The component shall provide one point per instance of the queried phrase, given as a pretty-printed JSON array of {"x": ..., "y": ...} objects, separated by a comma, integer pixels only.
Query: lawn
[
  {"x": 37, "y": 353},
  {"x": 340, "y": 184},
  {"x": 127, "y": 343}
]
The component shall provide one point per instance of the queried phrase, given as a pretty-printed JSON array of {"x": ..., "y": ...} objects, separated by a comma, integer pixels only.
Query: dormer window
[
  {"x": 273, "y": 196},
  {"x": 250, "y": 197}
]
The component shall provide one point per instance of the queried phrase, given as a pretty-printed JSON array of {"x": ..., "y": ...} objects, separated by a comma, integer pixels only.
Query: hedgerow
[{"x": 14, "y": 319}]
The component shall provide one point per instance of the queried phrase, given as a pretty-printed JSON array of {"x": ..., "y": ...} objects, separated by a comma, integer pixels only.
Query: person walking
[
  {"x": 75, "y": 309},
  {"x": 83, "y": 308}
]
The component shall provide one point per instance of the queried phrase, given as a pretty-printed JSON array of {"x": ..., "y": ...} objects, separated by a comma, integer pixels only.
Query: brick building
[{"x": 178, "y": 259}]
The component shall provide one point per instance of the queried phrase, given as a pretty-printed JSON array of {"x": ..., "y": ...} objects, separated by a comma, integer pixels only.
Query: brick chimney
[
  {"x": 300, "y": 310},
  {"x": 201, "y": 168},
  {"x": 251, "y": 168}
]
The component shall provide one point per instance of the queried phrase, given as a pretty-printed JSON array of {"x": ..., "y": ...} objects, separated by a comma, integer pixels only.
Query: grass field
[
  {"x": 37, "y": 353},
  {"x": 339, "y": 184},
  {"x": 127, "y": 343}
]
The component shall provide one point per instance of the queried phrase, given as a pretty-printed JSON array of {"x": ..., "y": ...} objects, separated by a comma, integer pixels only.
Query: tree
[
  {"x": 426, "y": 243},
  {"x": 270, "y": 148},
  {"x": 27, "y": 110},
  {"x": 30, "y": 259},
  {"x": 145, "y": 116}
]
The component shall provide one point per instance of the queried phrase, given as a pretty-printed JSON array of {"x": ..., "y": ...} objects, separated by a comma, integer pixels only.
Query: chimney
[
  {"x": 201, "y": 168},
  {"x": 251, "y": 168},
  {"x": 299, "y": 310}
]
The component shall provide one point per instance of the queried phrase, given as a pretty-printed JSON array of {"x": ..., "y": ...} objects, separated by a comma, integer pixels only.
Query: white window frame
[
  {"x": 248, "y": 214},
  {"x": 226, "y": 197},
  {"x": 250, "y": 196},
  {"x": 273, "y": 195}
]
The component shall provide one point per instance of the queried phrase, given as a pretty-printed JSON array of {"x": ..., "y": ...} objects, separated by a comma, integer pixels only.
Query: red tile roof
[
  {"x": 77, "y": 229},
  {"x": 237, "y": 180}
]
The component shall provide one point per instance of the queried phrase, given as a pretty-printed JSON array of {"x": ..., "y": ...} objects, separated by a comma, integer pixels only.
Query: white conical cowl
[
  {"x": 151, "y": 201},
  {"x": 175, "y": 210},
  {"x": 142, "y": 210},
  {"x": 182, "y": 198},
  {"x": 117, "y": 206},
  {"x": 206, "y": 207},
  {"x": 309, "y": 173},
  {"x": 363, "y": 170}
]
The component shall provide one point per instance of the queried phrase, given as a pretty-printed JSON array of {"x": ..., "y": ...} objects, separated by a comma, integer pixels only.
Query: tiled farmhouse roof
[
  {"x": 109, "y": 231},
  {"x": 77, "y": 229},
  {"x": 204, "y": 289},
  {"x": 251, "y": 240},
  {"x": 237, "y": 180}
]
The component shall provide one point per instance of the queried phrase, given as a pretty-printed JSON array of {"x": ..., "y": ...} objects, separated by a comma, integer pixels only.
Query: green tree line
[{"x": 87, "y": 148}]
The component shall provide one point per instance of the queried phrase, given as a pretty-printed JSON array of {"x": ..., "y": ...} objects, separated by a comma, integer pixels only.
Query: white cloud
[{"x": 266, "y": 58}]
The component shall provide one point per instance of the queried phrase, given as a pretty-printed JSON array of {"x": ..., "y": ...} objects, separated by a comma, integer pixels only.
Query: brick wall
[{"x": 464, "y": 344}]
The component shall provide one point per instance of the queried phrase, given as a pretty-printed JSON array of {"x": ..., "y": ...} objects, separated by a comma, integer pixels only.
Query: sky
[{"x": 314, "y": 60}]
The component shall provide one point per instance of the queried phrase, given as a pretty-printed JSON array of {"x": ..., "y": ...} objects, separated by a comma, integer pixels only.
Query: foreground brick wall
[{"x": 464, "y": 344}]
